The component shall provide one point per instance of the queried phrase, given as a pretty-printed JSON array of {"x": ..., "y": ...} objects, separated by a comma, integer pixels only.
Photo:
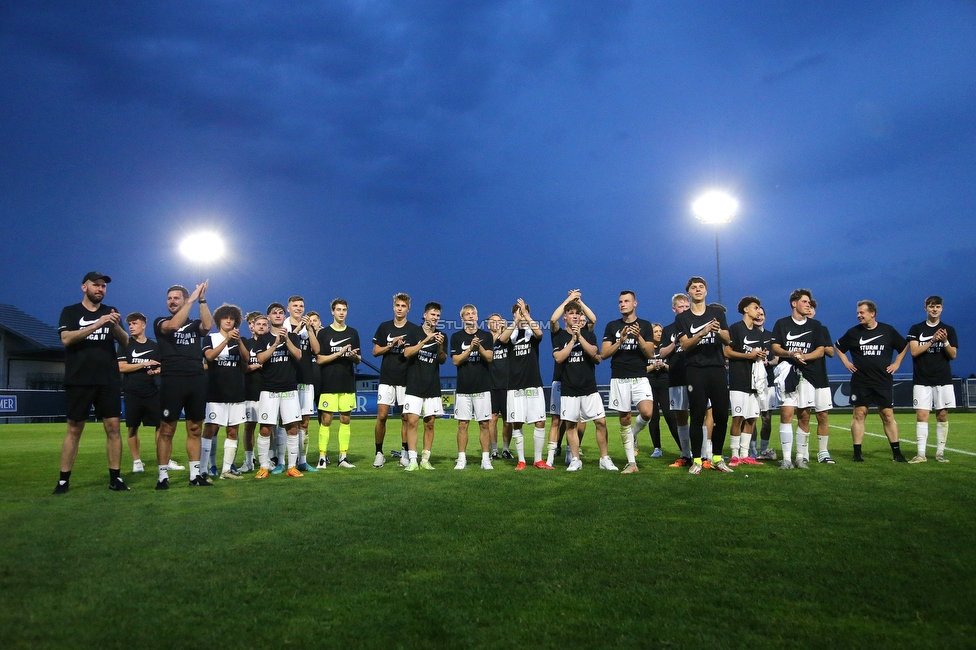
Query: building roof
[{"x": 27, "y": 327}]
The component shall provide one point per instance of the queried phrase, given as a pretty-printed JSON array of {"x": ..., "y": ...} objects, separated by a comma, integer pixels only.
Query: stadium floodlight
[
  {"x": 715, "y": 208},
  {"x": 202, "y": 247}
]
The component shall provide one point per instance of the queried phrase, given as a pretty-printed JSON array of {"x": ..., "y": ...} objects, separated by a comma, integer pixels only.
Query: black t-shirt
[
  {"x": 424, "y": 371},
  {"x": 767, "y": 342},
  {"x": 710, "y": 350},
  {"x": 225, "y": 373},
  {"x": 932, "y": 368},
  {"x": 745, "y": 340},
  {"x": 579, "y": 369},
  {"x": 523, "y": 360},
  {"x": 252, "y": 380},
  {"x": 92, "y": 360},
  {"x": 474, "y": 375},
  {"x": 499, "y": 366},
  {"x": 676, "y": 360},
  {"x": 139, "y": 383},
  {"x": 628, "y": 362},
  {"x": 657, "y": 378},
  {"x": 179, "y": 352},
  {"x": 307, "y": 362},
  {"x": 393, "y": 368},
  {"x": 557, "y": 368},
  {"x": 801, "y": 337},
  {"x": 872, "y": 351},
  {"x": 280, "y": 372},
  {"x": 338, "y": 376},
  {"x": 818, "y": 367}
]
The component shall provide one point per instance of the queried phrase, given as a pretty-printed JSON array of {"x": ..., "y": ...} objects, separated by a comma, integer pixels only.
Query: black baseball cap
[{"x": 91, "y": 276}]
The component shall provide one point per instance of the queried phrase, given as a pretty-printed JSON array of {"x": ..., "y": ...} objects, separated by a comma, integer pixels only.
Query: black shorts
[
  {"x": 142, "y": 410},
  {"x": 499, "y": 398},
  {"x": 871, "y": 394},
  {"x": 186, "y": 394},
  {"x": 79, "y": 400}
]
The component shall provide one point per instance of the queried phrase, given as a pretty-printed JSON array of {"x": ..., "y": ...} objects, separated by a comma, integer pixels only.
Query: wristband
[{"x": 202, "y": 302}]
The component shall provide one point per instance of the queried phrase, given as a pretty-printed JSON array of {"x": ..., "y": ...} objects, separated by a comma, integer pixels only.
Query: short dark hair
[
  {"x": 253, "y": 316},
  {"x": 402, "y": 297},
  {"x": 295, "y": 299},
  {"x": 813, "y": 303},
  {"x": 799, "y": 293},
  {"x": 275, "y": 305},
  {"x": 312, "y": 313},
  {"x": 933, "y": 300},
  {"x": 873, "y": 308},
  {"x": 432, "y": 305},
  {"x": 574, "y": 306},
  {"x": 626, "y": 291},
  {"x": 338, "y": 301},
  {"x": 746, "y": 301},
  {"x": 718, "y": 305},
  {"x": 515, "y": 307},
  {"x": 226, "y": 310},
  {"x": 695, "y": 279},
  {"x": 180, "y": 288},
  {"x": 134, "y": 316}
]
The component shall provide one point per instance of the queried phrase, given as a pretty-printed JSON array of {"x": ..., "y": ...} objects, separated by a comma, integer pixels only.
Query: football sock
[
  {"x": 505, "y": 444},
  {"x": 684, "y": 435},
  {"x": 425, "y": 454},
  {"x": 264, "y": 450},
  {"x": 113, "y": 475},
  {"x": 942, "y": 434},
  {"x": 485, "y": 456},
  {"x": 345, "y": 432},
  {"x": 895, "y": 449},
  {"x": 212, "y": 457},
  {"x": 627, "y": 437},
  {"x": 64, "y": 476},
  {"x": 639, "y": 424},
  {"x": 249, "y": 458},
  {"x": 205, "y": 444},
  {"x": 519, "y": 441},
  {"x": 494, "y": 447},
  {"x": 412, "y": 455},
  {"x": 230, "y": 453},
  {"x": 463, "y": 456},
  {"x": 745, "y": 445},
  {"x": 302, "y": 445},
  {"x": 802, "y": 444},
  {"x": 324, "y": 434},
  {"x": 763, "y": 445},
  {"x": 786, "y": 440},
  {"x": 551, "y": 456},
  {"x": 194, "y": 469},
  {"x": 735, "y": 440},
  {"x": 163, "y": 472},
  {"x": 822, "y": 445},
  {"x": 921, "y": 437},
  {"x": 857, "y": 451},
  {"x": 379, "y": 449},
  {"x": 538, "y": 443},
  {"x": 292, "y": 445},
  {"x": 281, "y": 443}
]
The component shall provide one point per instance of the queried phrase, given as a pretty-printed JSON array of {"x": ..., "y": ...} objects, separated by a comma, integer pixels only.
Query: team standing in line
[{"x": 293, "y": 367}]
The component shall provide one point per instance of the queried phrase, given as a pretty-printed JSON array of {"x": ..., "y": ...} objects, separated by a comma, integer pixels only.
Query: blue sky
[{"x": 485, "y": 151}]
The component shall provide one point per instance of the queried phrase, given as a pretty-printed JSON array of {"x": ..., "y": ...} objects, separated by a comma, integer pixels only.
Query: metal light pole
[{"x": 715, "y": 208}]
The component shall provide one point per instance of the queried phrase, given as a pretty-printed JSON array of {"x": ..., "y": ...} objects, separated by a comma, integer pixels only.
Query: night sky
[{"x": 485, "y": 151}]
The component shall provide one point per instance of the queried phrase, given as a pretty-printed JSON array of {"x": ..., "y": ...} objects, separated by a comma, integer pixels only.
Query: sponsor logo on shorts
[{"x": 165, "y": 413}]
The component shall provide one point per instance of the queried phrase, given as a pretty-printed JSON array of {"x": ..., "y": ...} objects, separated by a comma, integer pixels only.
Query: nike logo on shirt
[
  {"x": 865, "y": 342},
  {"x": 695, "y": 330},
  {"x": 86, "y": 323},
  {"x": 791, "y": 337},
  {"x": 136, "y": 355},
  {"x": 185, "y": 326},
  {"x": 389, "y": 338},
  {"x": 334, "y": 343},
  {"x": 465, "y": 347},
  {"x": 748, "y": 342},
  {"x": 925, "y": 339}
]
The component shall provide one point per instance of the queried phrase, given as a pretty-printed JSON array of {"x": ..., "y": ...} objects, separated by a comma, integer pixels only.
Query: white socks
[
  {"x": 802, "y": 444},
  {"x": 519, "y": 441},
  {"x": 263, "y": 445},
  {"x": 786, "y": 440},
  {"x": 538, "y": 443},
  {"x": 551, "y": 455},
  {"x": 230, "y": 452},
  {"x": 942, "y": 434},
  {"x": 292, "y": 444},
  {"x": 205, "y": 444},
  {"x": 627, "y": 437}
]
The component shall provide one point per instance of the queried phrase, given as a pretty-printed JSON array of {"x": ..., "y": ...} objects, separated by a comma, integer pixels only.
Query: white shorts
[
  {"x": 582, "y": 409},
  {"x": 391, "y": 395},
  {"x": 279, "y": 407},
  {"x": 767, "y": 399},
  {"x": 554, "y": 396},
  {"x": 225, "y": 414},
  {"x": 306, "y": 398},
  {"x": 526, "y": 405},
  {"x": 679, "y": 397},
  {"x": 472, "y": 406},
  {"x": 807, "y": 397},
  {"x": 251, "y": 409},
  {"x": 743, "y": 405},
  {"x": 934, "y": 398},
  {"x": 423, "y": 406},
  {"x": 627, "y": 393}
]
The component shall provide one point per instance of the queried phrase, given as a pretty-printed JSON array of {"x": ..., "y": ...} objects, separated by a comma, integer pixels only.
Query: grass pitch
[{"x": 850, "y": 555}]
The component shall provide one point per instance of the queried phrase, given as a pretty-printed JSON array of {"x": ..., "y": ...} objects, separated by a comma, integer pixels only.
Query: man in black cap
[{"x": 88, "y": 331}]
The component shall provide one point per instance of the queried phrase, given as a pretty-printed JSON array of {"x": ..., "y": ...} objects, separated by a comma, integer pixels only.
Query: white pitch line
[{"x": 900, "y": 439}]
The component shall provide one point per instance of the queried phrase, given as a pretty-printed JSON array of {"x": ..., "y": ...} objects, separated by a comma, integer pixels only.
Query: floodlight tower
[{"x": 715, "y": 208}]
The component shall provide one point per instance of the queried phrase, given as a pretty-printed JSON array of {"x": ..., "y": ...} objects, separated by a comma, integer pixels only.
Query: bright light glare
[
  {"x": 715, "y": 207},
  {"x": 202, "y": 247}
]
